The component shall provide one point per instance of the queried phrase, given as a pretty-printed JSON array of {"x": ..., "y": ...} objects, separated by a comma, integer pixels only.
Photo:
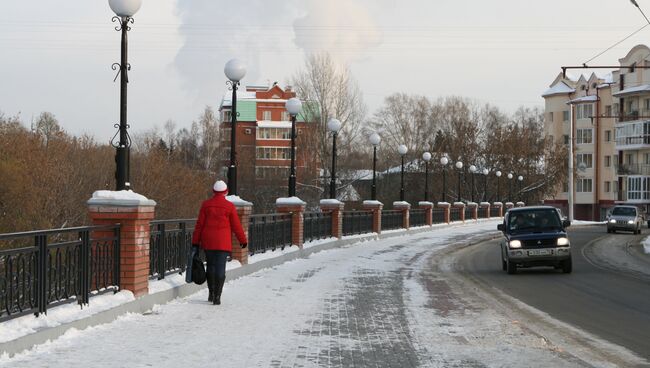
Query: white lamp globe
[
  {"x": 459, "y": 165},
  {"x": 235, "y": 70},
  {"x": 509, "y": 175},
  {"x": 498, "y": 174},
  {"x": 402, "y": 149},
  {"x": 472, "y": 168},
  {"x": 520, "y": 178},
  {"x": 426, "y": 156},
  {"x": 486, "y": 171},
  {"x": 293, "y": 106},
  {"x": 333, "y": 125},
  {"x": 444, "y": 160},
  {"x": 125, "y": 8},
  {"x": 375, "y": 139}
]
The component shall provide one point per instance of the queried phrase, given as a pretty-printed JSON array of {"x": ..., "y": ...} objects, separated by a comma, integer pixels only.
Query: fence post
[
  {"x": 428, "y": 214},
  {"x": 473, "y": 206},
  {"x": 162, "y": 247},
  {"x": 498, "y": 205},
  {"x": 41, "y": 242},
  {"x": 375, "y": 207},
  {"x": 336, "y": 208},
  {"x": 486, "y": 206},
  {"x": 461, "y": 210},
  {"x": 405, "y": 207},
  {"x": 296, "y": 207},
  {"x": 134, "y": 213},
  {"x": 447, "y": 208},
  {"x": 244, "y": 210}
]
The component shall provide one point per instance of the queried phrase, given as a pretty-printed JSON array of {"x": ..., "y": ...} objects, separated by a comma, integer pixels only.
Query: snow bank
[
  {"x": 646, "y": 245},
  {"x": 237, "y": 201},
  {"x": 582, "y": 222},
  {"x": 290, "y": 201}
]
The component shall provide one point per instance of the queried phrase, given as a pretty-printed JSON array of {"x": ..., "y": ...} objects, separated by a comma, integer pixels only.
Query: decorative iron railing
[
  {"x": 469, "y": 213},
  {"x": 483, "y": 212},
  {"x": 41, "y": 269},
  {"x": 357, "y": 222},
  {"x": 317, "y": 225},
  {"x": 454, "y": 214},
  {"x": 169, "y": 243},
  {"x": 438, "y": 215},
  {"x": 269, "y": 232},
  {"x": 392, "y": 220},
  {"x": 495, "y": 211},
  {"x": 417, "y": 217}
]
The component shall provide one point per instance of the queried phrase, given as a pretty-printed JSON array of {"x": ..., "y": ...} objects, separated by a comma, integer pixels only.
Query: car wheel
[
  {"x": 567, "y": 266},
  {"x": 511, "y": 267}
]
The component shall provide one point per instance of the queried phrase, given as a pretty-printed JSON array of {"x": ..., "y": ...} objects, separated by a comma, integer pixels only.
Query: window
[
  {"x": 608, "y": 161},
  {"x": 271, "y": 172},
  {"x": 616, "y": 110},
  {"x": 615, "y": 159},
  {"x": 565, "y": 187},
  {"x": 608, "y": 110},
  {"x": 585, "y": 111},
  {"x": 629, "y": 158},
  {"x": 583, "y": 186},
  {"x": 608, "y": 187},
  {"x": 638, "y": 188},
  {"x": 608, "y": 136},
  {"x": 565, "y": 115},
  {"x": 266, "y": 115},
  {"x": 646, "y": 104},
  {"x": 285, "y": 116},
  {"x": 615, "y": 187},
  {"x": 226, "y": 116},
  {"x": 566, "y": 139},
  {"x": 550, "y": 116},
  {"x": 586, "y": 159},
  {"x": 584, "y": 136},
  {"x": 273, "y": 153},
  {"x": 274, "y": 133},
  {"x": 646, "y": 158}
]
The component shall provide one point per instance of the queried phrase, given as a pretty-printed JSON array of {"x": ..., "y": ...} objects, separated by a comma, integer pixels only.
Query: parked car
[
  {"x": 533, "y": 237},
  {"x": 626, "y": 218}
]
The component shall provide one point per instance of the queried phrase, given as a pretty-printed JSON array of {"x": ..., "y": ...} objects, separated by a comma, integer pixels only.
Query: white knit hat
[{"x": 220, "y": 186}]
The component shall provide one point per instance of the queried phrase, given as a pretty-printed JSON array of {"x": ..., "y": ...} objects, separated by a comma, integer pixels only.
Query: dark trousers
[{"x": 217, "y": 262}]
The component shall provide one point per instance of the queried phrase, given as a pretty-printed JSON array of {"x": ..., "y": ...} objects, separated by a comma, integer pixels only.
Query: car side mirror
[
  {"x": 566, "y": 223},
  {"x": 501, "y": 227}
]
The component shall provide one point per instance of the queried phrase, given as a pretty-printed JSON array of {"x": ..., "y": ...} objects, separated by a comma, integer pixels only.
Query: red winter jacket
[{"x": 217, "y": 220}]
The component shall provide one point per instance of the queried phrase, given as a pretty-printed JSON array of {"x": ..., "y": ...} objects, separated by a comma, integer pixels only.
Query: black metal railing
[
  {"x": 392, "y": 219},
  {"x": 469, "y": 213},
  {"x": 317, "y": 225},
  {"x": 169, "y": 243},
  {"x": 454, "y": 214},
  {"x": 417, "y": 217},
  {"x": 495, "y": 211},
  {"x": 41, "y": 269},
  {"x": 269, "y": 232},
  {"x": 438, "y": 215},
  {"x": 357, "y": 222},
  {"x": 483, "y": 212}
]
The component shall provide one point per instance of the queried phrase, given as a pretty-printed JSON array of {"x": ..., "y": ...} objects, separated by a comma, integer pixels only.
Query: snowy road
[{"x": 373, "y": 304}]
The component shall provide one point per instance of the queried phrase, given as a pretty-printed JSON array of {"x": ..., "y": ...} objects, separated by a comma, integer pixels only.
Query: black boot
[
  {"x": 210, "y": 287},
  {"x": 218, "y": 288}
]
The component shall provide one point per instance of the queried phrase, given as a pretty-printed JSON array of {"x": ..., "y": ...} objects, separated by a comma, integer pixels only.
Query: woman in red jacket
[{"x": 216, "y": 222}]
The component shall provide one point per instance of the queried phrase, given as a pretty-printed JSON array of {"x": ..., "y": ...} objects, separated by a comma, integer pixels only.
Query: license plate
[{"x": 540, "y": 252}]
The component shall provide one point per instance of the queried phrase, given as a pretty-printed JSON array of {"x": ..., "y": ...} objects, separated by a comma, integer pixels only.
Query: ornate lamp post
[
  {"x": 521, "y": 179},
  {"x": 402, "y": 151},
  {"x": 509, "y": 187},
  {"x": 333, "y": 125},
  {"x": 472, "y": 170},
  {"x": 444, "y": 161},
  {"x": 459, "y": 166},
  {"x": 374, "y": 139},
  {"x": 124, "y": 11},
  {"x": 293, "y": 106},
  {"x": 426, "y": 157},
  {"x": 498, "y": 174},
  {"x": 235, "y": 71},
  {"x": 485, "y": 174}
]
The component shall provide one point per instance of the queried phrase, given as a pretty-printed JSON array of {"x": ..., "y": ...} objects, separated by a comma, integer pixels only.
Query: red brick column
[
  {"x": 296, "y": 208},
  {"x": 499, "y": 205},
  {"x": 134, "y": 214},
  {"x": 461, "y": 210},
  {"x": 405, "y": 207},
  {"x": 520, "y": 204},
  {"x": 244, "y": 210},
  {"x": 486, "y": 205},
  {"x": 474, "y": 207},
  {"x": 509, "y": 205},
  {"x": 375, "y": 207},
  {"x": 447, "y": 207},
  {"x": 428, "y": 208},
  {"x": 336, "y": 208}
]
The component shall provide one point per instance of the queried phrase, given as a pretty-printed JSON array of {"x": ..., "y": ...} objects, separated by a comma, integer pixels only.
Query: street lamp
[
  {"x": 333, "y": 125},
  {"x": 444, "y": 161},
  {"x": 459, "y": 166},
  {"x": 498, "y": 174},
  {"x": 293, "y": 106},
  {"x": 485, "y": 173},
  {"x": 521, "y": 179},
  {"x": 235, "y": 71},
  {"x": 426, "y": 157},
  {"x": 402, "y": 151},
  {"x": 472, "y": 170},
  {"x": 509, "y": 187},
  {"x": 124, "y": 11},
  {"x": 374, "y": 139}
]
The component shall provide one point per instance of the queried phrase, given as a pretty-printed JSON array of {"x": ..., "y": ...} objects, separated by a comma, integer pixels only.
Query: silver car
[{"x": 626, "y": 218}]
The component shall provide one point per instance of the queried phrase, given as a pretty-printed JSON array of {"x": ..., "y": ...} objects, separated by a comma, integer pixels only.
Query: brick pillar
[
  {"x": 244, "y": 210},
  {"x": 405, "y": 207},
  {"x": 428, "y": 208},
  {"x": 486, "y": 205},
  {"x": 520, "y": 204},
  {"x": 134, "y": 213},
  {"x": 375, "y": 207},
  {"x": 474, "y": 207},
  {"x": 296, "y": 207},
  {"x": 499, "y": 205},
  {"x": 509, "y": 205},
  {"x": 447, "y": 207},
  {"x": 336, "y": 208},
  {"x": 461, "y": 210}
]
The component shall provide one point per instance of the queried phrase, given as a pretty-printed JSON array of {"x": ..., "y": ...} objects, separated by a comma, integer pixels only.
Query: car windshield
[
  {"x": 533, "y": 220},
  {"x": 624, "y": 211}
]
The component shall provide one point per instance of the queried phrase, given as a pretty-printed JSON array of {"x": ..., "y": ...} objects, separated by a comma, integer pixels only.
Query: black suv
[{"x": 534, "y": 236}]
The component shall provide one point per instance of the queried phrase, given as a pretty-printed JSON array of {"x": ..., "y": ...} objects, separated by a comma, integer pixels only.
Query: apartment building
[{"x": 610, "y": 117}]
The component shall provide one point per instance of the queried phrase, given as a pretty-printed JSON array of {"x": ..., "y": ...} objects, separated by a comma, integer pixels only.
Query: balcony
[
  {"x": 633, "y": 169},
  {"x": 633, "y": 135}
]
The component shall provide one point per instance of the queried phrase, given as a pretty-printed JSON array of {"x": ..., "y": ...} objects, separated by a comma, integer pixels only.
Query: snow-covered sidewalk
[{"x": 365, "y": 305}]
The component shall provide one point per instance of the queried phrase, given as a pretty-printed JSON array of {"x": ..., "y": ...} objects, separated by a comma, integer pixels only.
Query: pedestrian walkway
[{"x": 364, "y": 305}]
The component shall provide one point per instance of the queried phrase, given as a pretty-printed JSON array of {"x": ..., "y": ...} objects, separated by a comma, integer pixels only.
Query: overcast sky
[{"x": 56, "y": 55}]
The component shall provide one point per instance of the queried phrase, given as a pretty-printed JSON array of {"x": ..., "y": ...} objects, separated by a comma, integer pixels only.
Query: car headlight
[
  {"x": 612, "y": 221},
  {"x": 562, "y": 242},
  {"x": 515, "y": 244},
  {"x": 631, "y": 222}
]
